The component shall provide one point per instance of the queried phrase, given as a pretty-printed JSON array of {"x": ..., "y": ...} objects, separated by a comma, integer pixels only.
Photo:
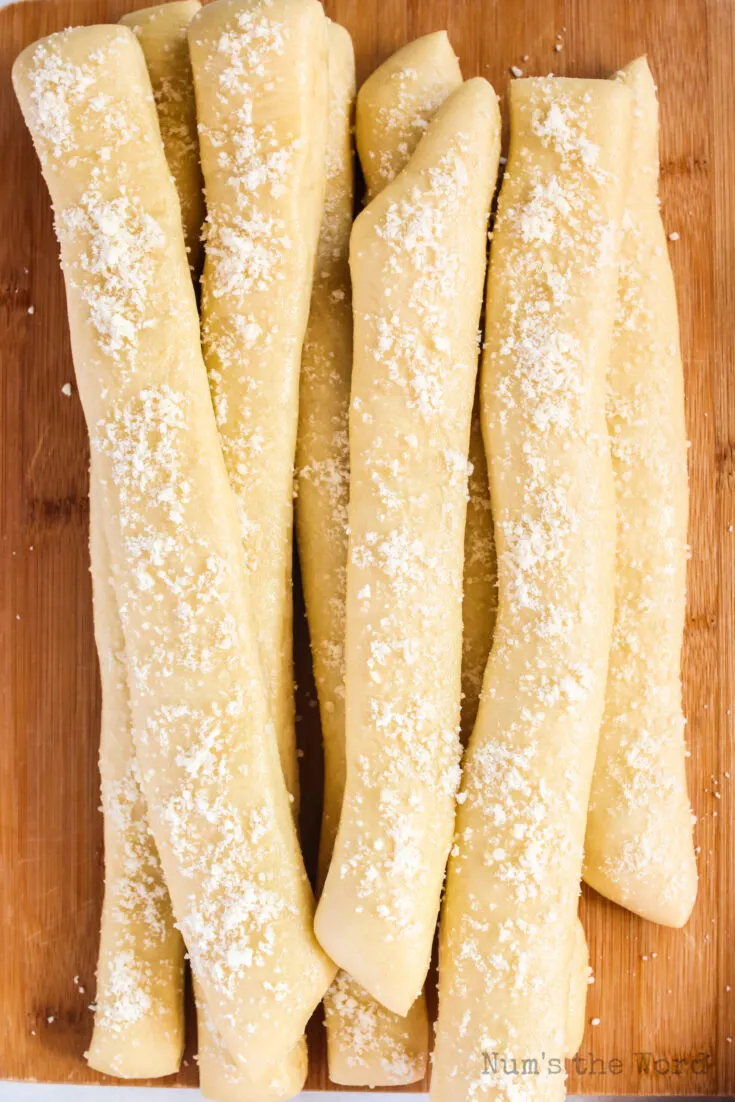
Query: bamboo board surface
[{"x": 668, "y": 994}]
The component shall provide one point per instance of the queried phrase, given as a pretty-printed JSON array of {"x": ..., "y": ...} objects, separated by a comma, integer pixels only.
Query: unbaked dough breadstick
[
  {"x": 394, "y": 107},
  {"x": 162, "y": 33},
  {"x": 207, "y": 754},
  {"x": 395, "y": 104},
  {"x": 139, "y": 1006},
  {"x": 139, "y": 1026},
  {"x": 366, "y": 1044},
  {"x": 639, "y": 849},
  {"x": 509, "y": 915},
  {"x": 260, "y": 71},
  {"x": 222, "y": 1080},
  {"x": 369, "y": 1046},
  {"x": 417, "y": 260}
]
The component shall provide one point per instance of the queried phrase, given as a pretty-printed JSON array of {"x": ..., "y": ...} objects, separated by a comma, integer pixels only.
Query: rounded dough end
[
  {"x": 78, "y": 43},
  {"x": 150, "y": 1051},
  {"x": 415, "y": 80},
  {"x": 651, "y": 895}
]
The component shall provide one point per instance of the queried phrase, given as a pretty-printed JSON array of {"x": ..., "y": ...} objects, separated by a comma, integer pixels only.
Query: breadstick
[
  {"x": 210, "y": 775},
  {"x": 367, "y": 1045},
  {"x": 639, "y": 849},
  {"x": 260, "y": 71},
  {"x": 139, "y": 1024},
  {"x": 397, "y": 101},
  {"x": 509, "y": 915},
  {"x": 162, "y": 33},
  {"x": 417, "y": 260},
  {"x": 139, "y": 1006},
  {"x": 222, "y": 1080},
  {"x": 394, "y": 107}
]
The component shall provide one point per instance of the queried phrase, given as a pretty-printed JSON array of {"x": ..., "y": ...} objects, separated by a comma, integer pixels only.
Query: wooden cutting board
[{"x": 659, "y": 996}]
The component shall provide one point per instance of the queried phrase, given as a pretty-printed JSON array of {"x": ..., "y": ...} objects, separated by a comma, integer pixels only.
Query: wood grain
[{"x": 661, "y": 992}]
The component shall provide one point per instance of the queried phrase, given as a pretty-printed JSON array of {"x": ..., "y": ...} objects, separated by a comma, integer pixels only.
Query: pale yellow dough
[
  {"x": 222, "y": 1080},
  {"x": 509, "y": 925},
  {"x": 260, "y": 72},
  {"x": 639, "y": 850},
  {"x": 397, "y": 101},
  {"x": 139, "y": 1026},
  {"x": 367, "y": 1045},
  {"x": 139, "y": 1005},
  {"x": 209, "y": 767},
  {"x": 417, "y": 260},
  {"x": 162, "y": 33},
  {"x": 394, "y": 107}
]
